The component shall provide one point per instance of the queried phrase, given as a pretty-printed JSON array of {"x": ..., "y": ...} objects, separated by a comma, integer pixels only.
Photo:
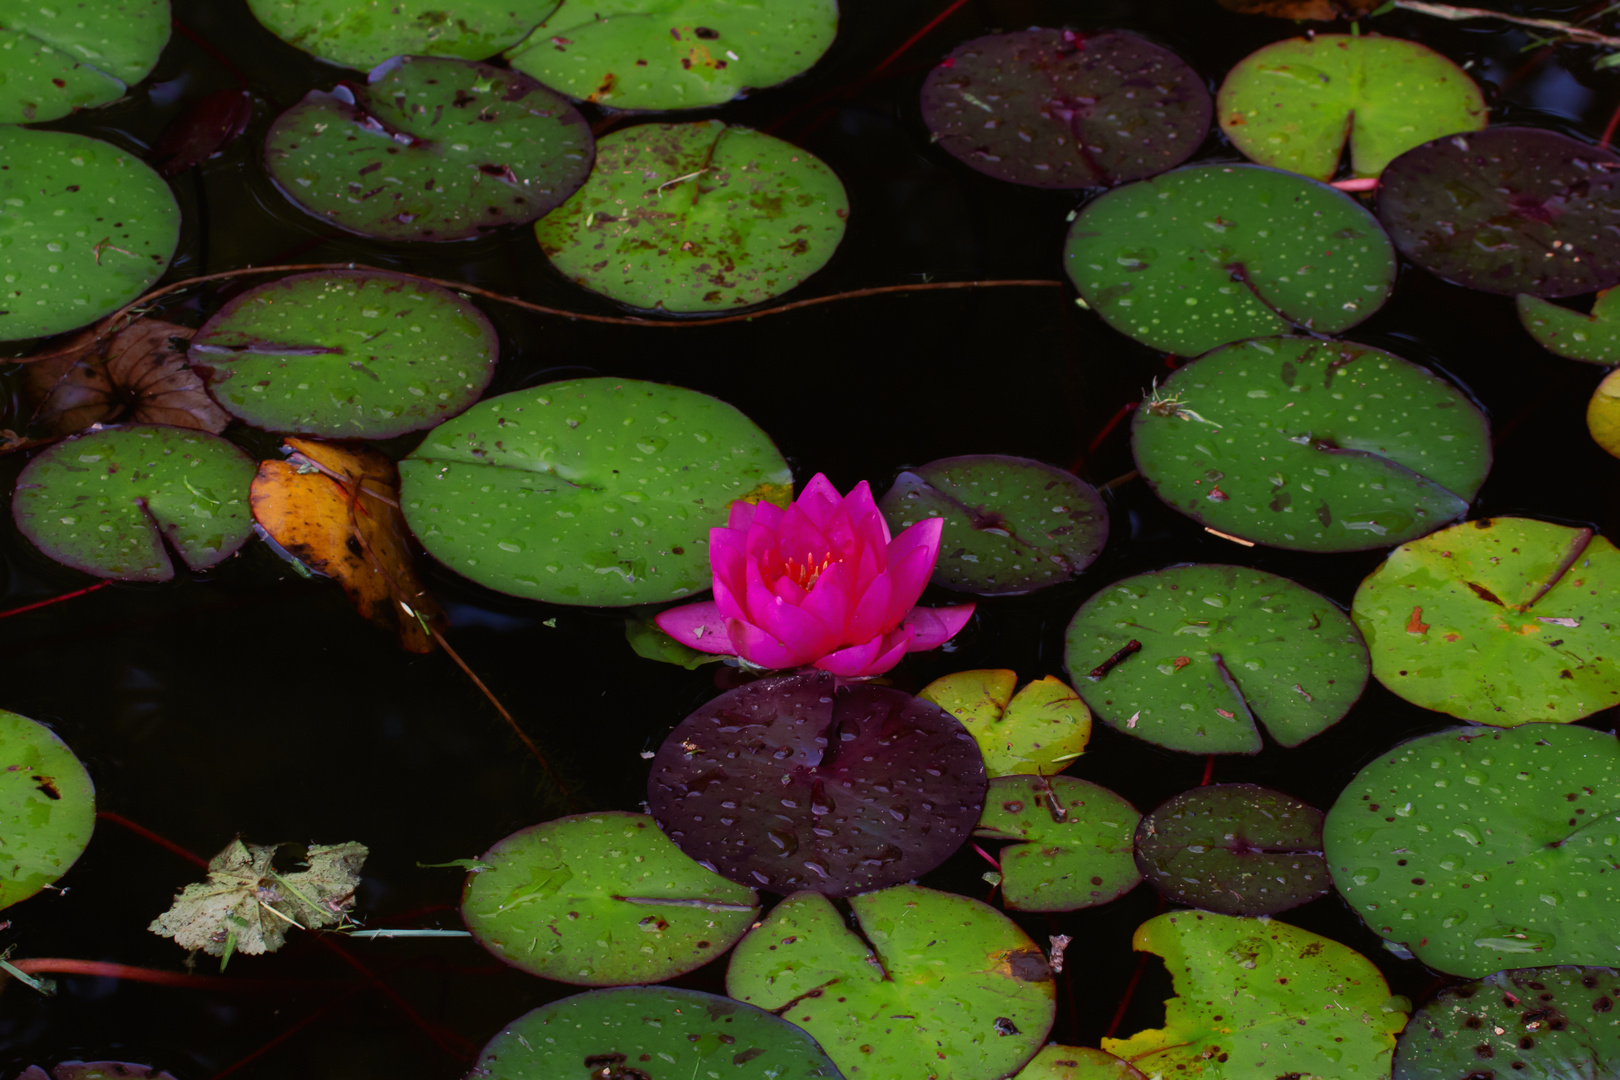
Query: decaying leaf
[
  {"x": 246, "y": 905},
  {"x": 310, "y": 506},
  {"x": 1320, "y": 10},
  {"x": 135, "y": 374}
]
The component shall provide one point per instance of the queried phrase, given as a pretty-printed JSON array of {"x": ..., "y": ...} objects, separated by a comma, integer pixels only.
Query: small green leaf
[
  {"x": 1295, "y": 104},
  {"x": 1594, "y": 338},
  {"x": 64, "y": 57},
  {"x": 653, "y": 644},
  {"x": 1075, "y": 842},
  {"x": 1257, "y": 997},
  {"x": 47, "y": 808},
  {"x": 1040, "y": 730},
  {"x": 363, "y": 33}
]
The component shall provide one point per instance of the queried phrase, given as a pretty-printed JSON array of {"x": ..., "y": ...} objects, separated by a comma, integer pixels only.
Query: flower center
[{"x": 804, "y": 574}]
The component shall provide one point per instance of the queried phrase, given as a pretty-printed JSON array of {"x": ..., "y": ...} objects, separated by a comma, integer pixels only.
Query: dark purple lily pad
[
  {"x": 1012, "y": 525},
  {"x": 1236, "y": 849},
  {"x": 1551, "y": 1022},
  {"x": 1059, "y": 109},
  {"x": 430, "y": 149},
  {"x": 800, "y": 783},
  {"x": 1508, "y": 210}
]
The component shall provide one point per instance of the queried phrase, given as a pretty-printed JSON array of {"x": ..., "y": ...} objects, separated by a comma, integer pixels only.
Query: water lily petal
[
  {"x": 935, "y": 626},
  {"x": 726, "y": 555},
  {"x": 729, "y": 600},
  {"x": 700, "y": 626},
  {"x": 742, "y": 515},
  {"x": 908, "y": 576},
  {"x": 798, "y": 630},
  {"x": 819, "y": 500},
  {"x": 830, "y": 598},
  {"x": 758, "y": 647},
  {"x": 923, "y": 535},
  {"x": 868, "y": 658},
  {"x": 872, "y": 616}
]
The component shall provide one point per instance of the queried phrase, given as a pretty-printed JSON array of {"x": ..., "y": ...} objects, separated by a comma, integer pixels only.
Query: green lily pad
[
  {"x": 1056, "y": 1062},
  {"x": 1313, "y": 445},
  {"x": 1074, "y": 842},
  {"x": 1012, "y": 525},
  {"x": 936, "y": 985},
  {"x": 1603, "y": 413},
  {"x": 84, "y": 228},
  {"x": 674, "y": 54},
  {"x": 113, "y": 502},
  {"x": 1295, "y": 104},
  {"x": 696, "y": 217},
  {"x": 1500, "y": 621},
  {"x": 1260, "y": 998},
  {"x": 651, "y": 1033},
  {"x": 1477, "y": 849},
  {"x": 1236, "y": 849},
  {"x": 1038, "y": 731},
  {"x": 1594, "y": 338},
  {"x": 47, "y": 808},
  {"x": 60, "y": 58},
  {"x": 588, "y": 491},
  {"x": 1211, "y": 254},
  {"x": 363, "y": 33},
  {"x": 602, "y": 900},
  {"x": 430, "y": 149},
  {"x": 1537, "y": 1022},
  {"x": 346, "y": 354},
  {"x": 1196, "y": 658},
  {"x": 1507, "y": 210},
  {"x": 1058, "y": 109}
]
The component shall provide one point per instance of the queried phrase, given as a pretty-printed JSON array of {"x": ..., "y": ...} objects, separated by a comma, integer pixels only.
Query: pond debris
[{"x": 246, "y": 905}]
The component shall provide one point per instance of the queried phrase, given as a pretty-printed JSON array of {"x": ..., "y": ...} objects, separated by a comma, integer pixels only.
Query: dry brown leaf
[
  {"x": 247, "y": 906},
  {"x": 308, "y": 505},
  {"x": 134, "y": 374},
  {"x": 1318, "y": 10}
]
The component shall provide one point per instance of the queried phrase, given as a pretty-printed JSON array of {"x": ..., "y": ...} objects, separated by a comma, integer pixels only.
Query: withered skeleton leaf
[{"x": 246, "y": 905}]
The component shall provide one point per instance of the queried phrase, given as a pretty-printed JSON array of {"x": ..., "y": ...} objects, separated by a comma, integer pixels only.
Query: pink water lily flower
[{"x": 820, "y": 583}]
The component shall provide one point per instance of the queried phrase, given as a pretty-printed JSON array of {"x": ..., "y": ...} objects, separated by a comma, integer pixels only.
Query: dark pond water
[{"x": 253, "y": 702}]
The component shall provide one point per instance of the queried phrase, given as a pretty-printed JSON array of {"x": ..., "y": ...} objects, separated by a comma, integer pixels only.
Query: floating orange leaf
[
  {"x": 138, "y": 373},
  {"x": 336, "y": 509}
]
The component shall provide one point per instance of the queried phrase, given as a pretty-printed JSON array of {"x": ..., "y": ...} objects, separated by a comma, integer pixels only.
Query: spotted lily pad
[
  {"x": 1040, "y": 730},
  {"x": 1477, "y": 849},
  {"x": 936, "y": 986},
  {"x": 430, "y": 149},
  {"x": 1058, "y": 109},
  {"x": 1295, "y": 104},
  {"x": 588, "y": 491},
  {"x": 674, "y": 54},
  {"x": 363, "y": 33},
  {"x": 113, "y": 502},
  {"x": 1211, "y": 254},
  {"x": 1072, "y": 844},
  {"x": 84, "y": 228},
  {"x": 1237, "y": 849},
  {"x": 602, "y": 900},
  {"x": 347, "y": 354},
  {"x": 62, "y": 57},
  {"x": 1197, "y": 658},
  {"x": 1012, "y": 525},
  {"x": 1257, "y": 997},
  {"x": 1570, "y": 334},
  {"x": 696, "y": 217},
  {"x": 651, "y": 1032},
  {"x": 1507, "y": 210},
  {"x": 1603, "y": 413},
  {"x": 1320, "y": 10},
  {"x": 47, "y": 808},
  {"x": 799, "y": 783},
  {"x": 1314, "y": 445},
  {"x": 1542, "y": 1021},
  {"x": 1056, "y": 1062},
  {"x": 1500, "y": 621}
]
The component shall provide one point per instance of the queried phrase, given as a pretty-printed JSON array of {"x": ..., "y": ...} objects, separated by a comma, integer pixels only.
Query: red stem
[
  {"x": 147, "y": 834},
  {"x": 919, "y": 35},
  {"x": 57, "y": 966},
  {"x": 1608, "y": 132},
  {"x": 289, "y": 1033},
  {"x": 36, "y": 605},
  {"x": 206, "y": 46},
  {"x": 1209, "y": 771}
]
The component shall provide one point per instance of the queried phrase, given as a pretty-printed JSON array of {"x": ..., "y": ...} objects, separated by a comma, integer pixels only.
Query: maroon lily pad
[
  {"x": 802, "y": 783},
  {"x": 1059, "y": 109},
  {"x": 1235, "y": 849},
  {"x": 204, "y": 130},
  {"x": 1508, "y": 210}
]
